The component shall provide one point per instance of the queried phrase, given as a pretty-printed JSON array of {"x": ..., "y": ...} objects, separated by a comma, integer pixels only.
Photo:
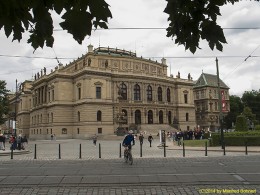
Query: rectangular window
[
  {"x": 53, "y": 95},
  {"x": 187, "y": 116},
  {"x": 98, "y": 92},
  {"x": 79, "y": 93},
  {"x": 99, "y": 130},
  {"x": 78, "y": 130},
  {"x": 185, "y": 98}
]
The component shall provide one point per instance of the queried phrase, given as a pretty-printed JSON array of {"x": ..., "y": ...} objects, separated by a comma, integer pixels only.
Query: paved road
[{"x": 235, "y": 173}]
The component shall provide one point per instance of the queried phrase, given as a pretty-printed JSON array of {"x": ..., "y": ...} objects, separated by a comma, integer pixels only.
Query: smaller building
[{"x": 206, "y": 101}]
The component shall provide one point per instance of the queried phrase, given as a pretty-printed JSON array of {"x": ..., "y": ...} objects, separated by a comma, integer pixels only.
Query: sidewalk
[
  {"x": 7, "y": 152},
  {"x": 255, "y": 149}
]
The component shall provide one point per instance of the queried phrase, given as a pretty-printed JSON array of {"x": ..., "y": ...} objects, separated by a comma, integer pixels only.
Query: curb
[{"x": 15, "y": 152}]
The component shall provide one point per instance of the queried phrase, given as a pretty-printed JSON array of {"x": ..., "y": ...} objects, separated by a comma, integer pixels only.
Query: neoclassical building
[
  {"x": 206, "y": 100},
  {"x": 85, "y": 97}
]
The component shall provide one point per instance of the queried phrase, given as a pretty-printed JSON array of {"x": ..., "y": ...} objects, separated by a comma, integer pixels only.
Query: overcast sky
[{"x": 239, "y": 74}]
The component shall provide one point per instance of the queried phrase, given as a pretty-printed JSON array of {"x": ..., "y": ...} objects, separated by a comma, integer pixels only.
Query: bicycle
[{"x": 128, "y": 155}]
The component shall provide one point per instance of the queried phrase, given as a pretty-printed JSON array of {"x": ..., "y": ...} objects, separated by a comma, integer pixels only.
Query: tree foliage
[
  {"x": 251, "y": 99},
  {"x": 192, "y": 21},
  {"x": 35, "y": 17},
  {"x": 236, "y": 108},
  {"x": 241, "y": 123},
  {"x": 4, "y": 104},
  {"x": 189, "y": 21}
]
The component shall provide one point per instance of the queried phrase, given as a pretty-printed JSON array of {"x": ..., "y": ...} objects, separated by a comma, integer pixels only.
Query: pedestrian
[
  {"x": 2, "y": 137},
  {"x": 141, "y": 139},
  {"x": 150, "y": 139},
  {"x": 51, "y": 137},
  {"x": 24, "y": 142},
  {"x": 19, "y": 142},
  {"x": 13, "y": 142},
  {"x": 95, "y": 140}
]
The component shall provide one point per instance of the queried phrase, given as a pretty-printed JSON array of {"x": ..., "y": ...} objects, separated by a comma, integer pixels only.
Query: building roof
[
  {"x": 209, "y": 80},
  {"x": 114, "y": 51}
]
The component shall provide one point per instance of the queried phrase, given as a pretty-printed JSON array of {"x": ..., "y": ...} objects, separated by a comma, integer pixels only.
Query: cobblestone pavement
[
  {"x": 101, "y": 170},
  {"x": 134, "y": 190},
  {"x": 108, "y": 149}
]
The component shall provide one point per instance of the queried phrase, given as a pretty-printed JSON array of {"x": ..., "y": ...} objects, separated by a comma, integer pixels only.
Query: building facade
[
  {"x": 207, "y": 104},
  {"x": 85, "y": 97}
]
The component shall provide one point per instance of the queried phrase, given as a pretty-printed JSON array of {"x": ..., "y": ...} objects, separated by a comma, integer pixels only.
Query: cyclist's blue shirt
[{"x": 128, "y": 139}]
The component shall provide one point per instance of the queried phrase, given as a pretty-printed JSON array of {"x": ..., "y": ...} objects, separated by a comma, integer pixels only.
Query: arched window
[
  {"x": 160, "y": 117},
  {"x": 137, "y": 94},
  {"x": 150, "y": 117},
  {"x": 99, "y": 115},
  {"x": 159, "y": 92},
  {"x": 149, "y": 93},
  {"x": 137, "y": 117},
  {"x": 123, "y": 91},
  {"x": 168, "y": 95}
]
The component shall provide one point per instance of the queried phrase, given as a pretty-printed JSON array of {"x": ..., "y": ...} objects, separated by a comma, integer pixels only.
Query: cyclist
[{"x": 127, "y": 141}]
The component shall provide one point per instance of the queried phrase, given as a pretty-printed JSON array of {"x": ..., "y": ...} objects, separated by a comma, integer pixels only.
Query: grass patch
[{"x": 196, "y": 143}]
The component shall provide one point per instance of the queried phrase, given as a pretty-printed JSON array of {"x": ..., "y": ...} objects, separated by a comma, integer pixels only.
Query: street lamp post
[
  {"x": 15, "y": 111},
  {"x": 220, "y": 109}
]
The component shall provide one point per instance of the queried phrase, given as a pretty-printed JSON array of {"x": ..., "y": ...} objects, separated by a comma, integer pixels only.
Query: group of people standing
[{"x": 17, "y": 143}]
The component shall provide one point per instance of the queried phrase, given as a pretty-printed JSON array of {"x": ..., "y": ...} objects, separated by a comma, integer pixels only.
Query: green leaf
[
  {"x": 58, "y": 6},
  {"x": 8, "y": 29},
  {"x": 18, "y": 30},
  {"x": 78, "y": 23}
]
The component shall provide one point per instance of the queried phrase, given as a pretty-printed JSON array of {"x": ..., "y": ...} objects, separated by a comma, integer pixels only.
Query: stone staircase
[{"x": 155, "y": 128}]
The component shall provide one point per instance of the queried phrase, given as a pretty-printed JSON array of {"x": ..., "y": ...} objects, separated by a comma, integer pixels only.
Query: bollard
[
  {"x": 164, "y": 149},
  {"x": 120, "y": 152},
  {"x": 35, "y": 151},
  {"x": 79, "y": 151},
  {"x": 206, "y": 148},
  {"x": 224, "y": 148},
  {"x": 141, "y": 150},
  {"x": 246, "y": 147},
  {"x": 12, "y": 153},
  {"x": 183, "y": 148},
  {"x": 99, "y": 149},
  {"x": 59, "y": 152}
]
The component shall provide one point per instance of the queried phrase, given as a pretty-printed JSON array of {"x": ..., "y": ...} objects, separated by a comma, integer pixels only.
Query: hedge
[{"x": 236, "y": 139}]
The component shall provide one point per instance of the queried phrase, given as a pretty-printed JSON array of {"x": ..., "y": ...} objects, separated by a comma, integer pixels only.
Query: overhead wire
[
  {"x": 162, "y": 28},
  {"x": 249, "y": 56},
  {"x": 142, "y": 28},
  {"x": 69, "y": 58}
]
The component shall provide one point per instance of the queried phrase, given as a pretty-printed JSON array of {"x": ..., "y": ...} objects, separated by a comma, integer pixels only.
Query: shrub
[
  {"x": 252, "y": 138},
  {"x": 241, "y": 124},
  {"x": 257, "y": 127}
]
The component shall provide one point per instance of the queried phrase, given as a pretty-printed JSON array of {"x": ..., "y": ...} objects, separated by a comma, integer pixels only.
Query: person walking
[
  {"x": 150, "y": 139},
  {"x": 95, "y": 140}
]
